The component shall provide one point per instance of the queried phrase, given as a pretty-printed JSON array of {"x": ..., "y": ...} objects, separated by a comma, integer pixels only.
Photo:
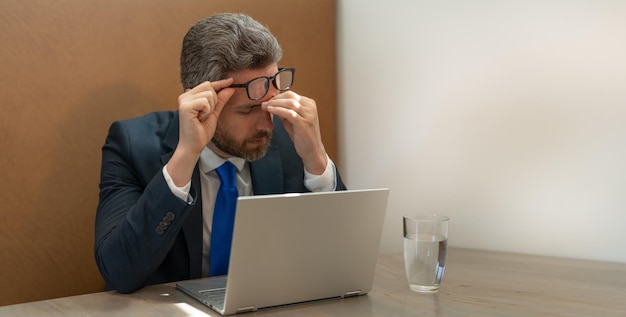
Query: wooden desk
[{"x": 476, "y": 283}]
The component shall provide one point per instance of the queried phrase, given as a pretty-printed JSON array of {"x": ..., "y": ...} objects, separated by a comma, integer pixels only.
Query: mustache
[{"x": 261, "y": 135}]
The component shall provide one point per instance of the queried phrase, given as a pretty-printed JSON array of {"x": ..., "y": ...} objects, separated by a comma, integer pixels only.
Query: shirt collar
[{"x": 209, "y": 161}]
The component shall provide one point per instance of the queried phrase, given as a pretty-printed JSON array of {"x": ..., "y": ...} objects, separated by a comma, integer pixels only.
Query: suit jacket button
[
  {"x": 169, "y": 216},
  {"x": 160, "y": 230}
]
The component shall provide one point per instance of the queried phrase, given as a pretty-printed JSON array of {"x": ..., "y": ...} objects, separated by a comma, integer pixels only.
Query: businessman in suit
[{"x": 158, "y": 178}]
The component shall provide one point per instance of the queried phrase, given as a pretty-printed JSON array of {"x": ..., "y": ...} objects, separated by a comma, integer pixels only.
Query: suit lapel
[{"x": 267, "y": 173}]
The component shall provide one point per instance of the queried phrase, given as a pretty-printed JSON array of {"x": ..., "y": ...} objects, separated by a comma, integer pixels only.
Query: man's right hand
[{"x": 199, "y": 109}]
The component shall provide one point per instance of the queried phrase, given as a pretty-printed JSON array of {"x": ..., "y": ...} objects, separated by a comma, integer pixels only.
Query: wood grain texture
[
  {"x": 476, "y": 283},
  {"x": 72, "y": 67}
]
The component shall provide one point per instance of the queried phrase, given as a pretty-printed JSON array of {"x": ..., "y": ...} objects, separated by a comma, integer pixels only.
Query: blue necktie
[{"x": 223, "y": 220}]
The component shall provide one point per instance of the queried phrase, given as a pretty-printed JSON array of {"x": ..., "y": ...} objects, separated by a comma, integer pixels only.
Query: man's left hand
[{"x": 300, "y": 118}]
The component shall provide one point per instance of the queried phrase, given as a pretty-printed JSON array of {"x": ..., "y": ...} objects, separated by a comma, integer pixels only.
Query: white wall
[{"x": 508, "y": 116}]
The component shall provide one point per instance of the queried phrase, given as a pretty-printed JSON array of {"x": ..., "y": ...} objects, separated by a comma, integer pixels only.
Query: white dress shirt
[{"x": 210, "y": 183}]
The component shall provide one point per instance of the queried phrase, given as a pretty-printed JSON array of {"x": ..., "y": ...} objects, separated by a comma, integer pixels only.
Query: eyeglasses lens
[
  {"x": 258, "y": 88},
  {"x": 284, "y": 79}
]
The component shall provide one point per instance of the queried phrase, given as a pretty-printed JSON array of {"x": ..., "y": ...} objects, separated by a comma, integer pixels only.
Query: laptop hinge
[
  {"x": 246, "y": 309},
  {"x": 352, "y": 293}
]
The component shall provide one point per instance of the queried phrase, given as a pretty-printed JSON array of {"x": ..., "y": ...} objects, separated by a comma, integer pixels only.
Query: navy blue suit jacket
[{"x": 143, "y": 233}]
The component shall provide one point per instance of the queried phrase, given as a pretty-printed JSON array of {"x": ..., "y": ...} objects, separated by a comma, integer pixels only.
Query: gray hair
[{"x": 225, "y": 43}]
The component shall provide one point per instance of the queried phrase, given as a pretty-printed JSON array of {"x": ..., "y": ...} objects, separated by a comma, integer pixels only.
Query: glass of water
[{"x": 425, "y": 246}]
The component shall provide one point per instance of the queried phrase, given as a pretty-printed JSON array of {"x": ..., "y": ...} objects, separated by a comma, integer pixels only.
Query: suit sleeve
[
  {"x": 138, "y": 217},
  {"x": 338, "y": 181}
]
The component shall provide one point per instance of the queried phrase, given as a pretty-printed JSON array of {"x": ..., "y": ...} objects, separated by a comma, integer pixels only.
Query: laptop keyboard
[{"x": 215, "y": 296}]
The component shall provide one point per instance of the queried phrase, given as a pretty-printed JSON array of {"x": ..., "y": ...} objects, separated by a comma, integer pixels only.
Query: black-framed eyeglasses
[{"x": 258, "y": 87}]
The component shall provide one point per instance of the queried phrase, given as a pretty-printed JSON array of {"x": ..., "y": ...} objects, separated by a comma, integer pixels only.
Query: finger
[
  {"x": 286, "y": 107},
  {"x": 211, "y": 86},
  {"x": 201, "y": 92},
  {"x": 213, "y": 93},
  {"x": 209, "y": 96},
  {"x": 281, "y": 112},
  {"x": 289, "y": 94},
  {"x": 200, "y": 107},
  {"x": 203, "y": 86},
  {"x": 221, "y": 84},
  {"x": 215, "y": 88},
  {"x": 288, "y": 99},
  {"x": 223, "y": 96}
]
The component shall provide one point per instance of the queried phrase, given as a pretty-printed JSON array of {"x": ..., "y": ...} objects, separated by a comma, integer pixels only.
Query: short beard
[{"x": 225, "y": 142}]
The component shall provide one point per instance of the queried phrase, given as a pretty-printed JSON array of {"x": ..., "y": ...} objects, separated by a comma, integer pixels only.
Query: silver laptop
[{"x": 296, "y": 248}]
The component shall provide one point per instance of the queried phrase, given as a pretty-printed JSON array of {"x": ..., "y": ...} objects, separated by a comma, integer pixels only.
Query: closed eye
[{"x": 249, "y": 109}]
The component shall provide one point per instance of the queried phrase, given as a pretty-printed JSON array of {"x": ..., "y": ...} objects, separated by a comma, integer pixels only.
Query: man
[{"x": 159, "y": 185}]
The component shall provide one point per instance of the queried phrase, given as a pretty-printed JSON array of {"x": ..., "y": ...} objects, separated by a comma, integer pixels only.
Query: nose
[
  {"x": 264, "y": 121},
  {"x": 271, "y": 93}
]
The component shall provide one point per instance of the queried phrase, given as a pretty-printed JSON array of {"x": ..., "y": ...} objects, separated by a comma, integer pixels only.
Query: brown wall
[{"x": 71, "y": 67}]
